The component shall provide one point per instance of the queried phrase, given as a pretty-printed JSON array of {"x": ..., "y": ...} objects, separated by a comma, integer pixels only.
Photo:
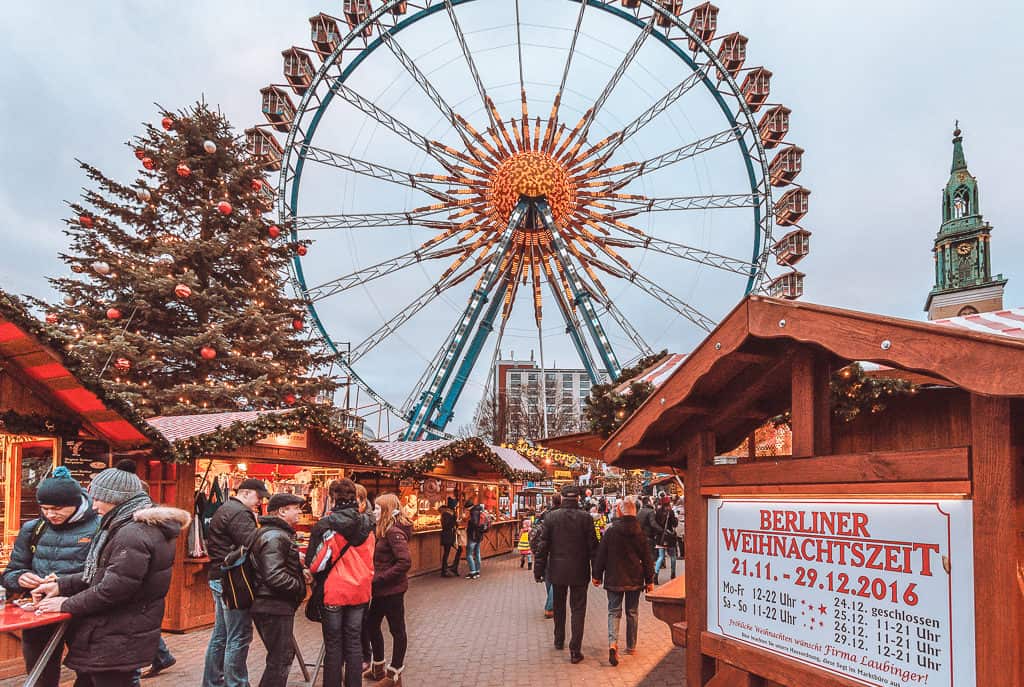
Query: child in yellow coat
[{"x": 523, "y": 547}]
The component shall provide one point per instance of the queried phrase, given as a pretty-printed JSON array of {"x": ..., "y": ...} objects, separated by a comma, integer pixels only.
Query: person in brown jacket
[{"x": 391, "y": 564}]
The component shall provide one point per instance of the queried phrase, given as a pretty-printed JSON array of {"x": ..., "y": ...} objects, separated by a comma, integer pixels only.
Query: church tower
[{"x": 964, "y": 284}]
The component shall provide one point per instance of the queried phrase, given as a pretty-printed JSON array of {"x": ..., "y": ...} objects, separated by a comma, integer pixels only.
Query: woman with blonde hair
[{"x": 391, "y": 564}]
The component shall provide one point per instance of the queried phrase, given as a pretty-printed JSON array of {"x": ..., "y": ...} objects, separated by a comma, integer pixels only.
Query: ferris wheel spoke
[
  {"x": 626, "y": 326},
  {"x": 641, "y": 204},
  {"x": 424, "y": 217},
  {"x": 680, "y": 250},
  {"x": 461, "y": 38},
  {"x": 562, "y": 295},
  {"x": 369, "y": 169}
]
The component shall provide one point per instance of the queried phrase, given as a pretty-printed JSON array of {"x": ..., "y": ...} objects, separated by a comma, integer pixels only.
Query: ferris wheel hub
[{"x": 532, "y": 174}]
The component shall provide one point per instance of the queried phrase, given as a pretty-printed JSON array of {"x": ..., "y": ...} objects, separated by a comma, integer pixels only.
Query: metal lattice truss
[{"x": 521, "y": 201}]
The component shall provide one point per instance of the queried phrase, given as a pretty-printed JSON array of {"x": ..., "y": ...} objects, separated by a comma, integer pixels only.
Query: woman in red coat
[{"x": 391, "y": 564}]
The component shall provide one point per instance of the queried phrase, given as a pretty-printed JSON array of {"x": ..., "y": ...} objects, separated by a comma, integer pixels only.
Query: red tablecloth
[{"x": 13, "y": 618}]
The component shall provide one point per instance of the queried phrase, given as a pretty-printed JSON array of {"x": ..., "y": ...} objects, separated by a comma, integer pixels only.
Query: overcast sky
[{"x": 874, "y": 87}]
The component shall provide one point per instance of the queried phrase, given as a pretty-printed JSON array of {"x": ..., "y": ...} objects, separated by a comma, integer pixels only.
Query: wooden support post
[
  {"x": 810, "y": 409},
  {"x": 699, "y": 453},
  {"x": 998, "y": 494}
]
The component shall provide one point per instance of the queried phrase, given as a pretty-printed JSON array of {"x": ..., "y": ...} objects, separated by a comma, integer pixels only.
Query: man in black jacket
[
  {"x": 280, "y": 585},
  {"x": 233, "y": 525},
  {"x": 645, "y": 515},
  {"x": 448, "y": 526},
  {"x": 564, "y": 551}
]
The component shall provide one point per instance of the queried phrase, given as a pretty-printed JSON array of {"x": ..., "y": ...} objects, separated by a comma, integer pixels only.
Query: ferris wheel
[{"x": 445, "y": 160}]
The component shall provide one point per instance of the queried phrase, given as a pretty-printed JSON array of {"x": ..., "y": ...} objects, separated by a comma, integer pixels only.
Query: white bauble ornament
[
  {"x": 69, "y": 300},
  {"x": 143, "y": 195},
  {"x": 100, "y": 267},
  {"x": 210, "y": 147}
]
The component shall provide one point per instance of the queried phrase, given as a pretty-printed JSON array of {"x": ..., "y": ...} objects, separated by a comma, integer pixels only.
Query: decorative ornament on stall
[
  {"x": 113, "y": 314},
  {"x": 274, "y": 231},
  {"x": 167, "y": 123},
  {"x": 208, "y": 352},
  {"x": 139, "y": 153},
  {"x": 301, "y": 250},
  {"x": 256, "y": 185},
  {"x": 100, "y": 267},
  {"x": 209, "y": 146},
  {"x": 182, "y": 291},
  {"x": 148, "y": 163},
  {"x": 184, "y": 171},
  {"x": 85, "y": 221},
  {"x": 143, "y": 195},
  {"x": 69, "y": 300},
  {"x": 224, "y": 207},
  {"x": 123, "y": 364},
  {"x": 51, "y": 318}
]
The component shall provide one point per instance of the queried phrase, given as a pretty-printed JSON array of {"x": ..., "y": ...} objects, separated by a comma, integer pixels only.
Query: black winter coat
[
  {"x": 624, "y": 559},
  {"x": 115, "y": 623},
  {"x": 474, "y": 533},
  {"x": 233, "y": 525},
  {"x": 448, "y": 526},
  {"x": 60, "y": 549},
  {"x": 566, "y": 546},
  {"x": 645, "y": 516},
  {"x": 280, "y": 586},
  {"x": 665, "y": 535},
  {"x": 392, "y": 561}
]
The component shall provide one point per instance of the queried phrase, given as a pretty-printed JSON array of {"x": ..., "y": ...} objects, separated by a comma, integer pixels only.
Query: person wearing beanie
[
  {"x": 116, "y": 602},
  {"x": 54, "y": 544}
]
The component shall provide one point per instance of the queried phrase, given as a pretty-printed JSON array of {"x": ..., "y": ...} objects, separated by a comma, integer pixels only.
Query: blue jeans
[
  {"x": 473, "y": 557},
  {"x": 229, "y": 645},
  {"x": 549, "y": 605},
  {"x": 672, "y": 551},
  {"x": 342, "y": 628},
  {"x": 615, "y": 615}
]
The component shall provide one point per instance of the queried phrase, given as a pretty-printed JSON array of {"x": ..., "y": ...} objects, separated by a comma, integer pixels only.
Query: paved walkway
[{"x": 479, "y": 633}]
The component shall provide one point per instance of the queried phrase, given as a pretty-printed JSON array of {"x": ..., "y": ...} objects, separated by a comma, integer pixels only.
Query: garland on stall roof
[
  {"x": 13, "y": 422},
  {"x": 223, "y": 439},
  {"x": 472, "y": 447}
]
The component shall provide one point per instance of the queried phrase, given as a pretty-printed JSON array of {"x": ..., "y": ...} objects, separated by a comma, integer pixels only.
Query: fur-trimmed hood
[{"x": 171, "y": 520}]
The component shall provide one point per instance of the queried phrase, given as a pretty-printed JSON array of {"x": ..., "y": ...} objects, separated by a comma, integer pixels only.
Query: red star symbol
[{"x": 822, "y": 609}]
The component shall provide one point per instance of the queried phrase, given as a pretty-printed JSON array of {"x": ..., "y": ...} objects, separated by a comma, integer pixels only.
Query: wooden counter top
[{"x": 668, "y": 601}]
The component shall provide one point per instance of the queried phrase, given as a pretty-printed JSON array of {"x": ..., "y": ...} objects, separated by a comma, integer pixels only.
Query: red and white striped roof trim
[
  {"x": 1004, "y": 322},
  {"x": 656, "y": 374},
  {"x": 179, "y": 427}
]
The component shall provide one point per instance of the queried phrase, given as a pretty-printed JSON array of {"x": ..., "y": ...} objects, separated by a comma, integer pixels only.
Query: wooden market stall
[
  {"x": 887, "y": 549},
  {"x": 49, "y": 416},
  {"x": 429, "y": 472},
  {"x": 295, "y": 451}
]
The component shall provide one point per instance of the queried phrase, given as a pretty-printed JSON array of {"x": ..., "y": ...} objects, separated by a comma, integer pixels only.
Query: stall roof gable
[
  {"x": 505, "y": 460},
  {"x": 742, "y": 367}
]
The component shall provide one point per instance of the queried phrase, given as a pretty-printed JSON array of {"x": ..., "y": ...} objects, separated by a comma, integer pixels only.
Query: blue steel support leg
[{"x": 573, "y": 330}]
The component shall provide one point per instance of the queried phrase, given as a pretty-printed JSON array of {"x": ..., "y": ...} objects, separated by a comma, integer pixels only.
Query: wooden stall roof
[
  {"x": 37, "y": 359},
  {"x": 418, "y": 457},
  {"x": 737, "y": 377},
  {"x": 583, "y": 444}
]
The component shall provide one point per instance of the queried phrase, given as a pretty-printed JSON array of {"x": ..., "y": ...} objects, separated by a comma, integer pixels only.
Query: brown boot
[
  {"x": 375, "y": 673},
  {"x": 393, "y": 679}
]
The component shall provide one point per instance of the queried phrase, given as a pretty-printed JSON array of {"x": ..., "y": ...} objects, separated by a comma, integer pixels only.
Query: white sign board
[{"x": 879, "y": 591}]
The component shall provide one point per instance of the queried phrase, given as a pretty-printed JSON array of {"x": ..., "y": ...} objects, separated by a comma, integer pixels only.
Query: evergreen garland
[
  {"x": 473, "y": 447},
  {"x": 605, "y": 410},
  {"x": 34, "y": 424}
]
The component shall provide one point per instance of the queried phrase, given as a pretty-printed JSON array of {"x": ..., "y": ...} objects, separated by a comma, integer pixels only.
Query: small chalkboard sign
[{"x": 84, "y": 458}]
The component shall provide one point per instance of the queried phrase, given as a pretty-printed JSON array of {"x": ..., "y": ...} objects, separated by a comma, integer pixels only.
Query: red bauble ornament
[
  {"x": 182, "y": 291},
  {"x": 51, "y": 318},
  {"x": 274, "y": 231},
  {"x": 184, "y": 170},
  {"x": 85, "y": 221},
  {"x": 289, "y": 399},
  {"x": 256, "y": 185},
  {"x": 301, "y": 250},
  {"x": 140, "y": 153},
  {"x": 224, "y": 207},
  {"x": 167, "y": 123},
  {"x": 297, "y": 324},
  {"x": 113, "y": 314},
  {"x": 123, "y": 364},
  {"x": 148, "y": 163},
  {"x": 208, "y": 352}
]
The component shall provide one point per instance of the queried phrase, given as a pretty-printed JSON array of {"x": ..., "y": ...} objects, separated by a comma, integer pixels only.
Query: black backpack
[{"x": 239, "y": 578}]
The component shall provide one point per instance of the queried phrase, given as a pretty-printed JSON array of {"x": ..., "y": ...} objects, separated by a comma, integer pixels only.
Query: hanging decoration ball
[
  {"x": 256, "y": 184},
  {"x": 182, "y": 291},
  {"x": 51, "y": 318},
  {"x": 85, "y": 221},
  {"x": 274, "y": 231},
  {"x": 123, "y": 364},
  {"x": 69, "y": 300},
  {"x": 113, "y": 314},
  {"x": 184, "y": 170},
  {"x": 77, "y": 269},
  {"x": 143, "y": 195},
  {"x": 139, "y": 153},
  {"x": 208, "y": 352},
  {"x": 289, "y": 399},
  {"x": 100, "y": 267},
  {"x": 269, "y": 355},
  {"x": 224, "y": 207},
  {"x": 297, "y": 324},
  {"x": 209, "y": 146},
  {"x": 148, "y": 163},
  {"x": 167, "y": 123},
  {"x": 301, "y": 250}
]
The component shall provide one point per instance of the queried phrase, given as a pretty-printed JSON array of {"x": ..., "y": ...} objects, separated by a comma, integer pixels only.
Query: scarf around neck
[{"x": 115, "y": 518}]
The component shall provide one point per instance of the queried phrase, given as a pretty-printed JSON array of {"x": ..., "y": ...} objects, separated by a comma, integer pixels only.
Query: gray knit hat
[{"x": 117, "y": 484}]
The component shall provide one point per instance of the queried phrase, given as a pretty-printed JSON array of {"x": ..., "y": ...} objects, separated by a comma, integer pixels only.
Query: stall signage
[
  {"x": 563, "y": 474},
  {"x": 84, "y": 459},
  {"x": 881, "y": 591},
  {"x": 290, "y": 440}
]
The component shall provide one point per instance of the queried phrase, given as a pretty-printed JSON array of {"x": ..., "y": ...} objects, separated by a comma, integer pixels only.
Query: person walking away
[
  {"x": 665, "y": 521},
  {"x": 280, "y": 585},
  {"x": 680, "y": 512},
  {"x": 645, "y": 516},
  {"x": 117, "y": 601},
  {"x": 474, "y": 535},
  {"x": 345, "y": 551},
  {"x": 54, "y": 544},
  {"x": 566, "y": 547},
  {"x": 624, "y": 563},
  {"x": 449, "y": 526},
  {"x": 535, "y": 532},
  {"x": 232, "y": 525},
  {"x": 391, "y": 564},
  {"x": 523, "y": 544}
]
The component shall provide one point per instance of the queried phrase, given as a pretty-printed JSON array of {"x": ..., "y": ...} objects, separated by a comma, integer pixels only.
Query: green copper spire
[{"x": 959, "y": 161}]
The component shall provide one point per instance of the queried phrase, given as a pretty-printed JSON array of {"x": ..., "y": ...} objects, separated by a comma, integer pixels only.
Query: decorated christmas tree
[
  {"x": 605, "y": 409},
  {"x": 177, "y": 298}
]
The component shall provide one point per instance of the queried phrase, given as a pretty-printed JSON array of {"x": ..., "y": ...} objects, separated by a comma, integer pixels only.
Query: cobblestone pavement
[{"x": 478, "y": 633}]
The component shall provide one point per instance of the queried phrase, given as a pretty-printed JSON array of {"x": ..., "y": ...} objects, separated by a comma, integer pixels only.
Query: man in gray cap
[{"x": 233, "y": 525}]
